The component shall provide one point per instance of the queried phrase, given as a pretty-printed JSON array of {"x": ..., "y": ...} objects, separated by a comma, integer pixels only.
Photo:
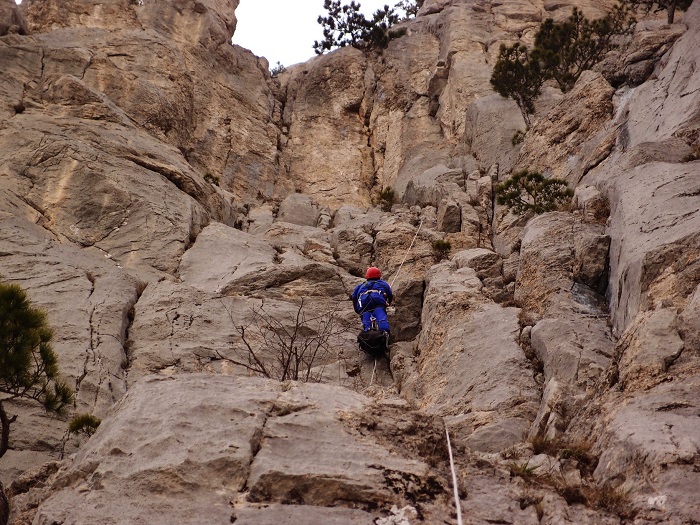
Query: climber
[{"x": 370, "y": 300}]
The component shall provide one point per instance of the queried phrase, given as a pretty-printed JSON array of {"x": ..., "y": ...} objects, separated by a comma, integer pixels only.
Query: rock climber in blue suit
[{"x": 371, "y": 298}]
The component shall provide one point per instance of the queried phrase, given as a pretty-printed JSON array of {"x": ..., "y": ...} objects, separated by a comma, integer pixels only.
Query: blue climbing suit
[{"x": 370, "y": 299}]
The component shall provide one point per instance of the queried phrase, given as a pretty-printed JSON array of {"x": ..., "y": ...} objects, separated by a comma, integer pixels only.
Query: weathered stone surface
[
  {"x": 326, "y": 153},
  {"x": 88, "y": 299},
  {"x": 485, "y": 262},
  {"x": 547, "y": 272},
  {"x": 225, "y": 436},
  {"x": 223, "y": 255},
  {"x": 106, "y": 151},
  {"x": 651, "y": 234},
  {"x": 580, "y": 115},
  {"x": 544, "y": 268},
  {"x": 299, "y": 209},
  {"x": 592, "y": 204},
  {"x": 11, "y": 20},
  {"x": 574, "y": 351},
  {"x": 635, "y": 63},
  {"x": 650, "y": 346},
  {"x": 449, "y": 216},
  {"x": 452, "y": 376},
  {"x": 308, "y": 514},
  {"x": 690, "y": 322},
  {"x": 655, "y": 436},
  {"x": 179, "y": 329},
  {"x": 591, "y": 247}
]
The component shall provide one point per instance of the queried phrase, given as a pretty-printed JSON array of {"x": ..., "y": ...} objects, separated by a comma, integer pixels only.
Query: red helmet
[{"x": 373, "y": 273}]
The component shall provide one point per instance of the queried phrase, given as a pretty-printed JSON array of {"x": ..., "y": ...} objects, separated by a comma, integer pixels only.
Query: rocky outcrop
[
  {"x": 11, "y": 19},
  {"x": 239, "y": 445},
  {"x": 449, "y": 373}
]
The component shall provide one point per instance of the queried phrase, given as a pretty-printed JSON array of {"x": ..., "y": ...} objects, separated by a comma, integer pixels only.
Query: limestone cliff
[{"x": 159, "y": 190}]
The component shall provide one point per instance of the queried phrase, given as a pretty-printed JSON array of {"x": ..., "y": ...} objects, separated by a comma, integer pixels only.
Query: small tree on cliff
[
  {"x": 562, "y": 51},
  {"x": 410, "y": 7},
  {"x": 531, "y": 191},
  {"x": 519, "y": 76},
  {"x": 345, "y": 25},
  {"x": 28, "y": 363},
  {"x": 567, "y": 49},
  {"x": 659, "y": 5}
]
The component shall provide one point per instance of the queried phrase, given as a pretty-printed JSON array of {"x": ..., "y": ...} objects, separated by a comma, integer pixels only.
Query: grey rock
[
  {"x": 449, "y": 216},
  {"x": 486, "y": 262},
  {"x": 11, "y": 22},
  {"x": 591, "y": 258},
  {"x": 223, "y": 255},
  {"x": 294, "y": 514},
  {"x": 654, "y": 436},
  {"x": 260, "y": 219},
  {"x": 592, "y": 204},
  {"x": 453, "y": 371},
  {"x": 653, "y": 346},
  {"x": 226, "y": 435},
  {"x": 299, "y": 209}
]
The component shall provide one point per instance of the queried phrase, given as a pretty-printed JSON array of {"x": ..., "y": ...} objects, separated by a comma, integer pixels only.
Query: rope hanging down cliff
[{"x": 393, "y": 280}]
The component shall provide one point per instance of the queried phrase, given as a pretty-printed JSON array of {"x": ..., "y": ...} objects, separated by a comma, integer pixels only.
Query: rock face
[
  {"x": 187, "y": 221},
  {"x": 235, "y": 443}
]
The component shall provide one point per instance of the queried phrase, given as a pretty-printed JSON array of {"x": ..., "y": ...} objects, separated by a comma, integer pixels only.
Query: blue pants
[{"x": 379, "y": 313}]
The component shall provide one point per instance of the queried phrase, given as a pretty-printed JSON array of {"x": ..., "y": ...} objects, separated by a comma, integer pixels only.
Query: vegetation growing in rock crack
[
  {"x": 292, "y": 347},
  {"x": 211, "y": 179},
  {"x": 386, "y": 198},
  {"x": 562, "y": 51},
  {"x": 345, "y": 25},
  {"x": 521, "y": 470},
  {"x": 670, "y": 6},
  {"x": 277, "y": 69},
  {"x": 85, "y": 423},
  {"x": 518, "y": 137},
  {"x": 531, "y": 191},
  {"x": 441, "y": 249},
  {"x": 28, "y": 363}
]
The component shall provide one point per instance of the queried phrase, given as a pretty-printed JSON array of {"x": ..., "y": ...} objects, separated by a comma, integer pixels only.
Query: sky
[{"x": 284, "y": 30}]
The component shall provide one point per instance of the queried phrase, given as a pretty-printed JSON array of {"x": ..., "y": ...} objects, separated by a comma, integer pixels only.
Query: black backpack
[{"x": 374, "y": 342}]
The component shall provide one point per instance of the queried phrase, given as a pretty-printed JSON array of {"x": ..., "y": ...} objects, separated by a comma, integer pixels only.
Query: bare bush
[{"x": 294, "y": 347}]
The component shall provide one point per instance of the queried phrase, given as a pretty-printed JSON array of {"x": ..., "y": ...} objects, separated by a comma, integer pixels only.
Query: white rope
[
  {"x": 458, "y": 505},
  {"x": 373, "y": 370},
  {"x": 406, "y": 256}
]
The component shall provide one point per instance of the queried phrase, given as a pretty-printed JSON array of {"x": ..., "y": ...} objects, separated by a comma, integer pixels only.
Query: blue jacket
[{"x": 371, "y": 294}]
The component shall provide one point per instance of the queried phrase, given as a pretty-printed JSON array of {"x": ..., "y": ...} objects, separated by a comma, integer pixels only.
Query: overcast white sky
[{"x": 285, "y": 30}]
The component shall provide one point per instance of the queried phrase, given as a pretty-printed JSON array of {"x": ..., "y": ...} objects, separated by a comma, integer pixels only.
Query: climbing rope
[
  {"x": 393, "y": 280},
  {"x": 373, "y": 370},
  {"x": 458, "y": 505}
]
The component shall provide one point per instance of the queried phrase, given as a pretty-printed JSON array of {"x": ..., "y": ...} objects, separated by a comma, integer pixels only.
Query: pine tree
[
  {"x": 28, "y": 363},
  {"x": 669, "y": 5},
  {"x": 531, "y": 191},
  {"x": 519, "y": 76},
  {"x": 345, "y": 25},
  {"x": 562, "y": 51},
  {"x": 569, "y": 48}
]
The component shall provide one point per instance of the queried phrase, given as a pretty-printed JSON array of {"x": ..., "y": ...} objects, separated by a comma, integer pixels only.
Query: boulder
[
  {"x": 592, "y": 203},
  {"x": 299, "y": 209}
]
